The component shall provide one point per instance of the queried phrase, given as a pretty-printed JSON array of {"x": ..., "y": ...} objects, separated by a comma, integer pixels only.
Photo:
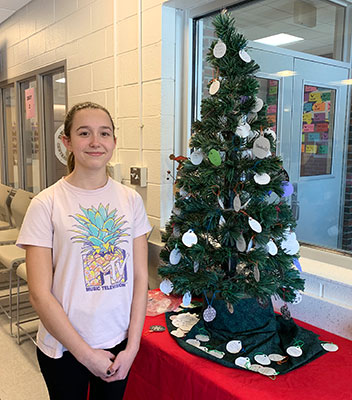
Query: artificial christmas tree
[{"x": 231, "y": 237}]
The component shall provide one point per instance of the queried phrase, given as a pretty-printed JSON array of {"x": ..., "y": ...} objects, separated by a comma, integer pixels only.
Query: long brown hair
[{"x": 68, "y": 124}]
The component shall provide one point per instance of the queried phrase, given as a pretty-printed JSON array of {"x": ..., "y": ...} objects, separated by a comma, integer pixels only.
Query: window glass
[
  {"x": 54, "y": 115},
  {"x": 30, "y": 136},
  {"x": 269, "y": 92},
  {"x": 11, "y": 153},
  {"x": 317, "y": 130}
]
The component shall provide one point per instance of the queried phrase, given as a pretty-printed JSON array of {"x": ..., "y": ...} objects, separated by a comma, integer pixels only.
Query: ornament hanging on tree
[
  {"x": 255, "y": 225},
  {"x": 237, "y": 203},
  {"x": 288, "y": 188},
  {"x": 261, "y": 147},
  {"x": 269, "y": 131},
  {"x": 214, "y": 157},
  {"x": 243, "y": 130},
  {"x": 187, "y": 298},
  {"x": 271, "y": 248},
  {"x": 258, "y": 105},
  {"x": 262, "y": 179},
  {"x": 244, "y": 56},
  {"x": 175, "y": 256},
  {"x": 197, "y": 157},
  {"x": 219, "y": 49},
  {"x": 189, "y": 238},
  {"x": 241, "y": 243},
  {"x": 209, "y": 314},
  {"x": 214, "y": 87},
  {"x": 166, "y": 286}
]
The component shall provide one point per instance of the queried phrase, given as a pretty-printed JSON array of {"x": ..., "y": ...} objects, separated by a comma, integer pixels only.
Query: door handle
[{"x": 294, "y": 202}]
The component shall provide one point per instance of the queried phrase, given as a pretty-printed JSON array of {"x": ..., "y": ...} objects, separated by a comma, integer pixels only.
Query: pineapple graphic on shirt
[{"x": 101, "y": 232}]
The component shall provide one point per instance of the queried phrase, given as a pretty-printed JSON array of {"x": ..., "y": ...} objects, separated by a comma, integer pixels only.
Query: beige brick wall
[{"x": 82, "y": 33}]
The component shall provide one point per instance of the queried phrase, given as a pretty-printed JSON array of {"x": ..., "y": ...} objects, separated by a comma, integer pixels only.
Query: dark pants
[{"x": 67, "y": 379}]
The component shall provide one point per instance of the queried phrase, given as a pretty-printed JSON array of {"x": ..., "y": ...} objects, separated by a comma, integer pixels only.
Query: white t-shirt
[{"x": 91, "y": 234}]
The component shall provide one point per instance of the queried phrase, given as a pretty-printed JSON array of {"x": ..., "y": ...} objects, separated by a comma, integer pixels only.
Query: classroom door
[
  {"x": 318, "y": 137},
  {"x": 307, "y": 105}
]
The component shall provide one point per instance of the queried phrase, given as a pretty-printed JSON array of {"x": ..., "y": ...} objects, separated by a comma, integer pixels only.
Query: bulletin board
[{"x": 317, "y": 130}]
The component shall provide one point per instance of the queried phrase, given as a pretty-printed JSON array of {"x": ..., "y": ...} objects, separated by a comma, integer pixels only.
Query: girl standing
[{"x": 86, "y": 257}]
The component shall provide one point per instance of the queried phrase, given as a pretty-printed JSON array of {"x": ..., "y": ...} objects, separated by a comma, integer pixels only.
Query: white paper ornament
[
  {"x": 166, "y": 286},
  {"x": 185, "y": 321},
  {"x": 241, "y": 243},
  {"x": 330, "y": 346},
  {"x": 237, "y": 203},
  {"x": 222, "y": 221},
  {"x": 298, "y": 297},
  {"x": 269, "y": 131},
  {"x": 250, "y": 245},
  {"x": 271, "y": 247},
  {"x": 261, "y": 147},
  {"x": 234, "y": 346},
  {"x": 202, "y": 338},
  {"x": 187, "y": 298},
  {"x": 276, "y": 357},
  {"x": 216, "y": 353},
  {"x": 214, "y": 87},
  {"x": 193, "y": 342},
  {"x": 262, "y": 179},
  {"x": 189, "y": 238},
  {"x": 221, "y": 203},
  {"x": 267, "y": 371},
  {"x": 196, "y": 266},
  {"x": 246, "y": 154},
  {"x": 178, "y": 333},
  {"x": 255, "y": 225},
  {"x": 258, "y": 105},
  {"x": 243, "y": 362},
  {"x": 294, "y": 351},
  {"x": 243, "y": 130},
  {"x": 209, "y": 314},
  {"x": 256, "y": 273},
  {"x": 175, "y": 256},
  {"x": 244, "y": 56},
  {"x": 262, "y": 359},
  {"x": 255, "y": 367},
  {"x": 219, "y": 49},
  {"x": 197, "y": 157}
]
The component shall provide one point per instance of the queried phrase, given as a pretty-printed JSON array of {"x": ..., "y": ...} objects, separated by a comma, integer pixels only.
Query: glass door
[
  {"x": 318, "y": 131},
  {"x": 11, "y": 149},
  {"x": 310, "y": 115},
  {"x": 54, "y": 104},
  {"x": 30, "y": 136}
]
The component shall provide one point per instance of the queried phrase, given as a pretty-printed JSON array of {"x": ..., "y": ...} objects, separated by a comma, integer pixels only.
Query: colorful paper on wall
[
  {"x": 30, "y": 102},
  {"x": 311, "y": 148},
  {"x": 308, "y": 127}
]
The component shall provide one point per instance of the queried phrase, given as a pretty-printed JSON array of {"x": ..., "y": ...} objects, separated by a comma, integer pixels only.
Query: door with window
[{"x": 307, "y": 104}]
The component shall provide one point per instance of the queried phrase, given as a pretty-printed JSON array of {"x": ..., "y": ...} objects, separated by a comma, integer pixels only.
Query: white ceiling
[{"x": 8, "y": 7}]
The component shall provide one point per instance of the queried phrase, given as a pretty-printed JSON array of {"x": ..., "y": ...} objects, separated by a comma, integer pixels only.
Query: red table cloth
[{"x": 163, "y": 370}]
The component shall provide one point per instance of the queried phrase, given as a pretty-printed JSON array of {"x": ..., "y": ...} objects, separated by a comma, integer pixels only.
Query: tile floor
[{"x": 20, "y": 378}]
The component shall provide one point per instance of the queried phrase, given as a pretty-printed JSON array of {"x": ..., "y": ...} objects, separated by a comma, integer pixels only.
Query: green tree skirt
[{"x": 259, "y": 338}]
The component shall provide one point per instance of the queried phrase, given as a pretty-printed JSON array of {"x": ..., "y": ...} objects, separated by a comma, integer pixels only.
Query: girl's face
[{"x": 92, "y": 139}]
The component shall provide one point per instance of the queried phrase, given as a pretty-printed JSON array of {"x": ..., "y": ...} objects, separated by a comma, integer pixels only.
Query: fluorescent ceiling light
[
  {"x": 286, "y": 73},
  {"x": 347, "y": 82},
  {"x": 61, "y": 80},
  {"x": 279, "y": 39}
]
